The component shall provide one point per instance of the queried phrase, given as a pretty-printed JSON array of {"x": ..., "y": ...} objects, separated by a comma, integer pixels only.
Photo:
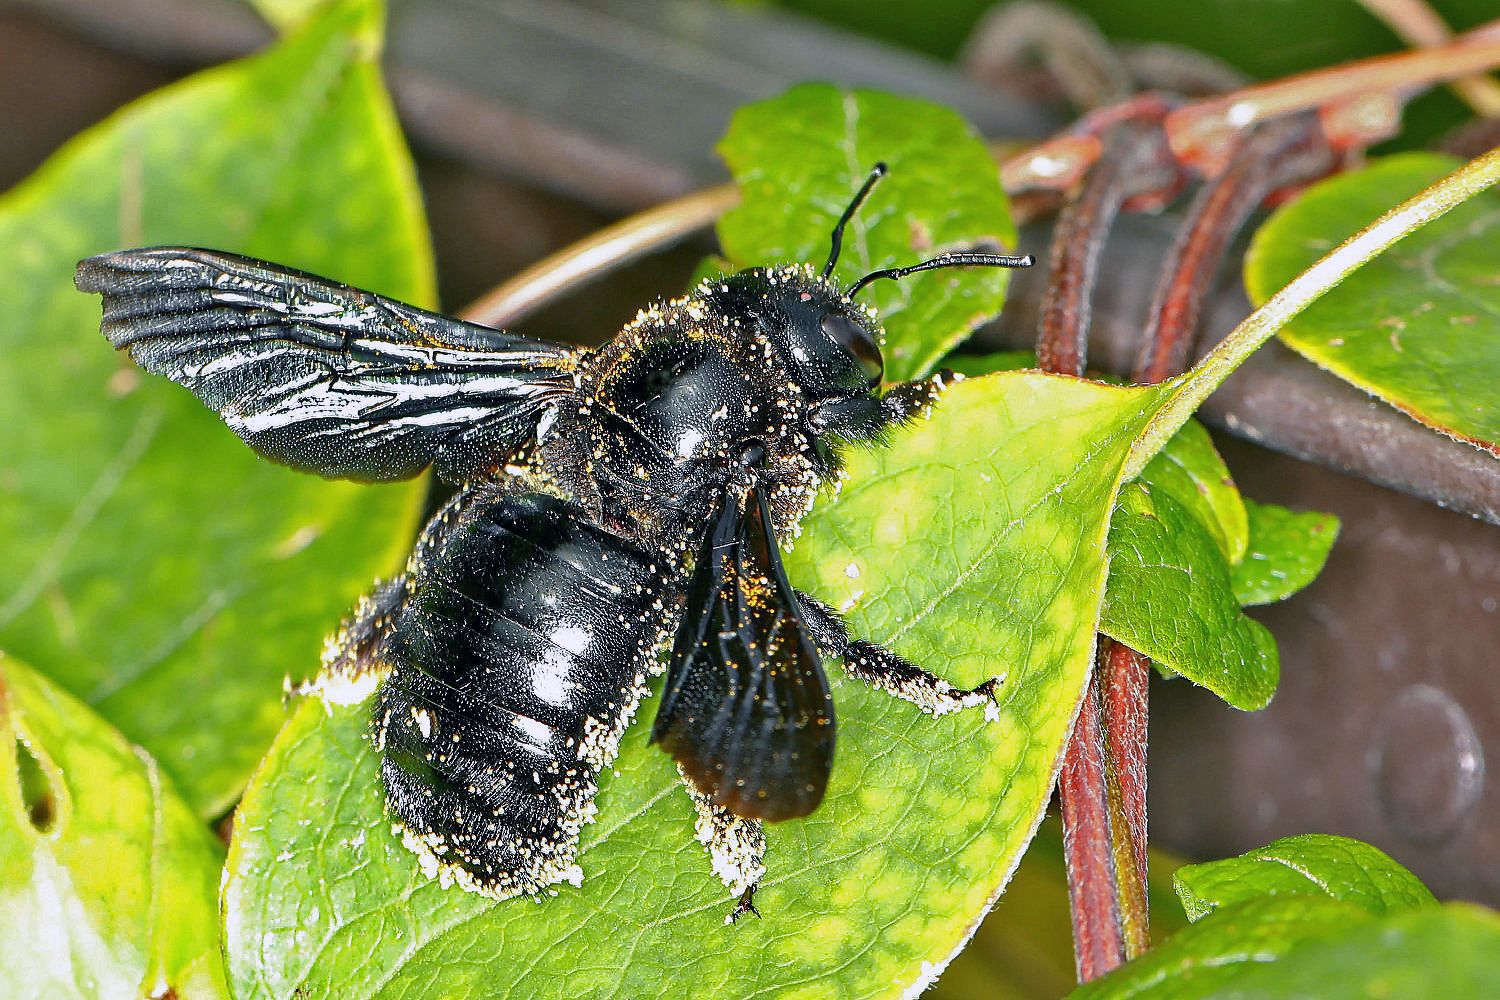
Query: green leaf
[
  {"x": 1286, "y": 552},
  {"x": 1211, "y": 957},
  {"x": 1313, "y": 864},
  {"x": 1429, "y": 954},
  {"x": 1420, "y": 325},
  {"x": 799, "y": 159},
  {"x": 1190, "y": 470},
  {"x": 155, "y": 567},
  {"x": 1298, "y": 947},
  {"x": 287, "y": 15},
  {"x": 1313, "y": 916},
  {"x": 1169, "y": 596},
  {"x": 984, "y": 522},
  {"x": 108, "y": 882}
]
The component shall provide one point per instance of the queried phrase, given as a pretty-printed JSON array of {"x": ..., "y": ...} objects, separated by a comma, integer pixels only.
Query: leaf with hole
[
  {"x": 155, "y": 566},
  {"x": 108, "y": 882}
]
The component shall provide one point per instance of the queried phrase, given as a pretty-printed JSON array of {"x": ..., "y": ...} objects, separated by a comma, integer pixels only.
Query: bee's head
[{"x": 828, "y": 343}]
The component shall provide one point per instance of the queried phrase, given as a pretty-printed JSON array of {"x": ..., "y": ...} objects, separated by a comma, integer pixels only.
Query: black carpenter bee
[{"x": 612, "y": 504}]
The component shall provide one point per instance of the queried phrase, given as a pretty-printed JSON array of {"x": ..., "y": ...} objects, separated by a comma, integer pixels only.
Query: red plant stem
[
  {"x": 1133, "y": 161},
  {"x": 1123, "y": 678},
  {"x": 1128, "y": 163},
  {"x": 1098, "y": 933},
  {"x": 1275, "y": 155}
]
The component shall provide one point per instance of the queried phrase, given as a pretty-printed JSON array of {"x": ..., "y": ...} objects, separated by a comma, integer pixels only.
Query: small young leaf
[
  {"x": 813, "y": 146},
  {"x": 1169, "y": 597},
  {"x": 154, "y": 566},
  {"x": 1298, "y": 947},
  {"x": 108, "y": 882},
  {"x": 1286, "y": 552},
  {"x": 1436, "y": 953},
  {"x": 1190, "y": 470},
  {"x": 1313, "y": 864},
  {"x": 1420, "y": 325}
]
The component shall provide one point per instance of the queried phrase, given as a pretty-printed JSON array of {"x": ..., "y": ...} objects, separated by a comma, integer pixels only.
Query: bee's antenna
[
  {"x": 944, "y": 260},
  {"x": 876, "y": 172}
]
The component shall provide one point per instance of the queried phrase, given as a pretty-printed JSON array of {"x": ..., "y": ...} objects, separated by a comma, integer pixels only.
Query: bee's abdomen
[{"x": 515, "y": 666}]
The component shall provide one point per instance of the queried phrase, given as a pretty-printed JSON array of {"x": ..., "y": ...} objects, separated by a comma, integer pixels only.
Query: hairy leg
[{"x": 883, "y": 669}]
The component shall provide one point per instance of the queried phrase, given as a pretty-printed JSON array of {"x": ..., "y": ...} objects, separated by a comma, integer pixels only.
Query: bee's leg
[
  {"x": 905, "y": 400},
  {"x": 881, "y": 668},
  {"x": 737, "y": 848},
  {"x": 359, "y": 645},
  {"x": 354, "y": 657}
]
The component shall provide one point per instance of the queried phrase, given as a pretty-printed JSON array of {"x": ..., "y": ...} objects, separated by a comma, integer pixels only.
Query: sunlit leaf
[
  {"x": 985, "y": 521},
  {"x": 973, "y": 544}
]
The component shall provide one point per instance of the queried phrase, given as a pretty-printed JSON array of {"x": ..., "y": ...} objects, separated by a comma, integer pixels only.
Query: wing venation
[{"x": 324, "y": 377}]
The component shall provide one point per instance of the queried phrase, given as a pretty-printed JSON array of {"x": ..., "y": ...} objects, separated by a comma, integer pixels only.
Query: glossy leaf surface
[
  {"x": 1295, "y": 947},
  {"x": 1191, "y": 472},
  {"x": 1170, "y": 597},
  {"x": 1312, "y": 916},
  {"x": 1286, "y": 552},
  {"x": 1312, "y": 864}
]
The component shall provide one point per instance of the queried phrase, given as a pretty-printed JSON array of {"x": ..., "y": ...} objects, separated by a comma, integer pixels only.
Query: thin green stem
[{"x": 1186, "y": 393}]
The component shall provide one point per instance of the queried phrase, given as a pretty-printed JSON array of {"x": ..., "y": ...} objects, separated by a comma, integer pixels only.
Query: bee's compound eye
[{"x": 857, "y": 341}]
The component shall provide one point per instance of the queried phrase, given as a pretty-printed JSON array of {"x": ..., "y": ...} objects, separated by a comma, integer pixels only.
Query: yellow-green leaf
[{"x": 108, "y": 882}]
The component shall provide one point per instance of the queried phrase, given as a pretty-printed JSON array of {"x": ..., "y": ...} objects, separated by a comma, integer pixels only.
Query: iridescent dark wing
[
  {"x": 324, "y": 377},
  {"x": 746, "y": 709}
]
